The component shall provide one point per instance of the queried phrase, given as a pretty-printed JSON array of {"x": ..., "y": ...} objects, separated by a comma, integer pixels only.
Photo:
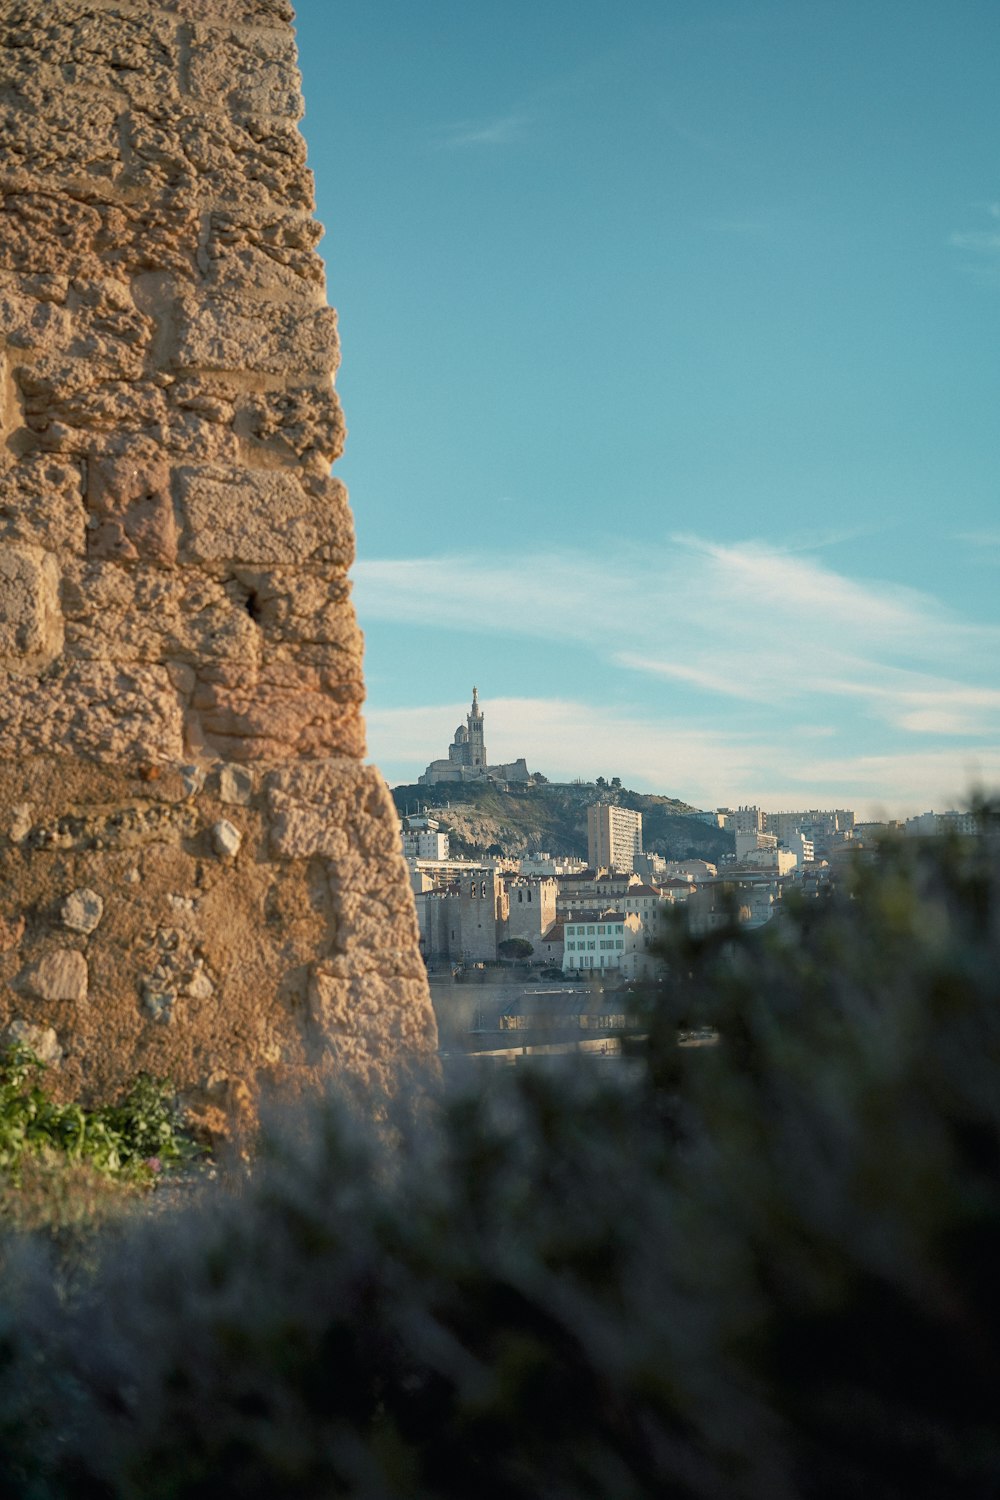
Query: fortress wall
[{"x": 180, "y": 668}]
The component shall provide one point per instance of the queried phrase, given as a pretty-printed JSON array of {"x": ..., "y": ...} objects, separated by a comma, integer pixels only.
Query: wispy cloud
[
  {"x": 498, "y": 130},
  {"x": 986, "y": 242},
  {"x": 980, "y": 247},
  {"x": 744, "y": 621},
  {"x": 754, "y": 646}
]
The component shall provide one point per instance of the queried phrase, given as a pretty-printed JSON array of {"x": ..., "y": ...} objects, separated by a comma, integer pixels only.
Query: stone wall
[{"x": 199, "y": 876}]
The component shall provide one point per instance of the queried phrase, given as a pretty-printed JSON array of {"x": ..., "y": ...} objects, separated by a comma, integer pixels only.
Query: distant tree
[
  {"x": 601, "y": 781},
  {"x": 616, "y": 781},
  {"x": 515, "y": 948},
  {"x": 496, "y": 850}
]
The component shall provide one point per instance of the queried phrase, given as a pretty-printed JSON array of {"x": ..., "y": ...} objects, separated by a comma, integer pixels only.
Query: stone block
[
  {"x": 131, "y": 509},
  {"x": 51, "y": 136},
  {"x": 87, "y": 48},
  {"x": 271, "y": 338},
  {"x": 304, "y": 609},
  {"x": 378, "y": 1012},
  {"x": 40, "y": 501},
  {"x": 304, "y": 424},
  {"x": 248, "y": 250},
  {"x": 252, "y": 516},
  {"x": 253, "y": 724},
  {"x": 47, "y": 232},
  {"x": 59, "y": 975},
  {"x": 326, "y": 808},
  {"x": 226, "y": 839},
  {"x": 66, "y": 403},
  {"x": 251, "y": 72},
  {"x": 96, "y": 710},
  {"x": 31, "y": 622},
  {"x": 28, "y": 320},
  {"x": 82, "y": 911},
  {"x": 235, "y": 786},
  {"x": 147, "y": 614},
  {"x": 209, "y": 157}
]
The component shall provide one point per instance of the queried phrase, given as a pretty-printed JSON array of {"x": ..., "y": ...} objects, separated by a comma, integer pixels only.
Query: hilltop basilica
[{"x": 467, "y": 756}]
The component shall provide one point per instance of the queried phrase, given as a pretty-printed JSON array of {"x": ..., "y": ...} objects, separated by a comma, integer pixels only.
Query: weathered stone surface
[
  {"x": 31, "y": 623},
  {"x": 248, "y": 251},
  {"x": 253, "y": 12},
  {"x": 236, "y": 786},
  {"x": 131, "y": 509},
  {"x": 252, "y": 72},
  {"x": 82, "y": 911},
  {"x": 200, "y": 878},
  {"x": 48, "y": 136},
  {"x": 59, "y": 975},
  {"x": 226, "y": 839},
  {"x": 304, "y": 424},
  {"x": 97, "y": 709},
  {"x": 11, "y": 932},
  {"x": 261, "y": 516},
  {"x": 40, "y": 497},
  {"x": 273, "y": 338}
]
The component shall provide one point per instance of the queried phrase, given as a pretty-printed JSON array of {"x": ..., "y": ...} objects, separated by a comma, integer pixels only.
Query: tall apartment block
[{"x": 614, "y": 837}]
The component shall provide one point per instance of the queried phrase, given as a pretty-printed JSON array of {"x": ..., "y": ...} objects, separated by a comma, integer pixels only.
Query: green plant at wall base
[{"x": 138, "y": 1136}]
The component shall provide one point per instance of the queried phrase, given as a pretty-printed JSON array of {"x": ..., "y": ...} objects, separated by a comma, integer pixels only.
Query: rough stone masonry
[{"x": 200, "y": 878}]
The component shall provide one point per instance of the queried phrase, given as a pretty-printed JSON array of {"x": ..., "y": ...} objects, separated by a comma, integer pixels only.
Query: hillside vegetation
[{"x": 553, "y": 817}]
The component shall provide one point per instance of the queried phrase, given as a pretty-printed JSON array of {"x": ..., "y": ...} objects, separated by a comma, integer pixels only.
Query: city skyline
[{"x": 670, "y": 381}]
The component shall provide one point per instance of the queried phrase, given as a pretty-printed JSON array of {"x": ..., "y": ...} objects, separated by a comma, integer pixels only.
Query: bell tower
[{"x": 477, "y": 742}]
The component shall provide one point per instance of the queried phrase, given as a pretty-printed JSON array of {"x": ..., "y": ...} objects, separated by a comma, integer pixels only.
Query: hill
[{"x": 481, "y": 818}]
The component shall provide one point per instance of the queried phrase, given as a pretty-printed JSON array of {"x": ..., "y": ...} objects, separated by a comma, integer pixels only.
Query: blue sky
[{"x": 670, "y": 371}]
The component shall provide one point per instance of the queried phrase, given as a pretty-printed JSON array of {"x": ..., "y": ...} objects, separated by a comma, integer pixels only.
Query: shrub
[
  {"x": 125, "y": 1137},
  {"x": 760, "y": 1269}
]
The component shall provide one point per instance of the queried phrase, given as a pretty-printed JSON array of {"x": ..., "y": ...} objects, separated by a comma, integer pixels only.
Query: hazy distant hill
[{"x": 550, "y": 816}]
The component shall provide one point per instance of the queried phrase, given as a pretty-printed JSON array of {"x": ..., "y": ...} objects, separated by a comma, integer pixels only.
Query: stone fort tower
[{"x": 198, "y": 875}]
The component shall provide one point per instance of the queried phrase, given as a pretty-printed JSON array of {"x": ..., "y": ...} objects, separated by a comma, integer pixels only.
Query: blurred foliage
[{"x": 762, "y": 1268}]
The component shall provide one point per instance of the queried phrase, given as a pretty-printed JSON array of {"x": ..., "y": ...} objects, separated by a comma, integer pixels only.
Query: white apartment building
[
  {"x": 614, "y": 836},
  {"x": 748, "y": 841},
  {"x": 426, "y": 844},
  {"x": 777, "y": 861},
  {"x": 602, "y": 941},
  {"x": 803, "y": 848},
  {"x": 744, "y": 819},
  {"x": 946, "y": 822}
]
